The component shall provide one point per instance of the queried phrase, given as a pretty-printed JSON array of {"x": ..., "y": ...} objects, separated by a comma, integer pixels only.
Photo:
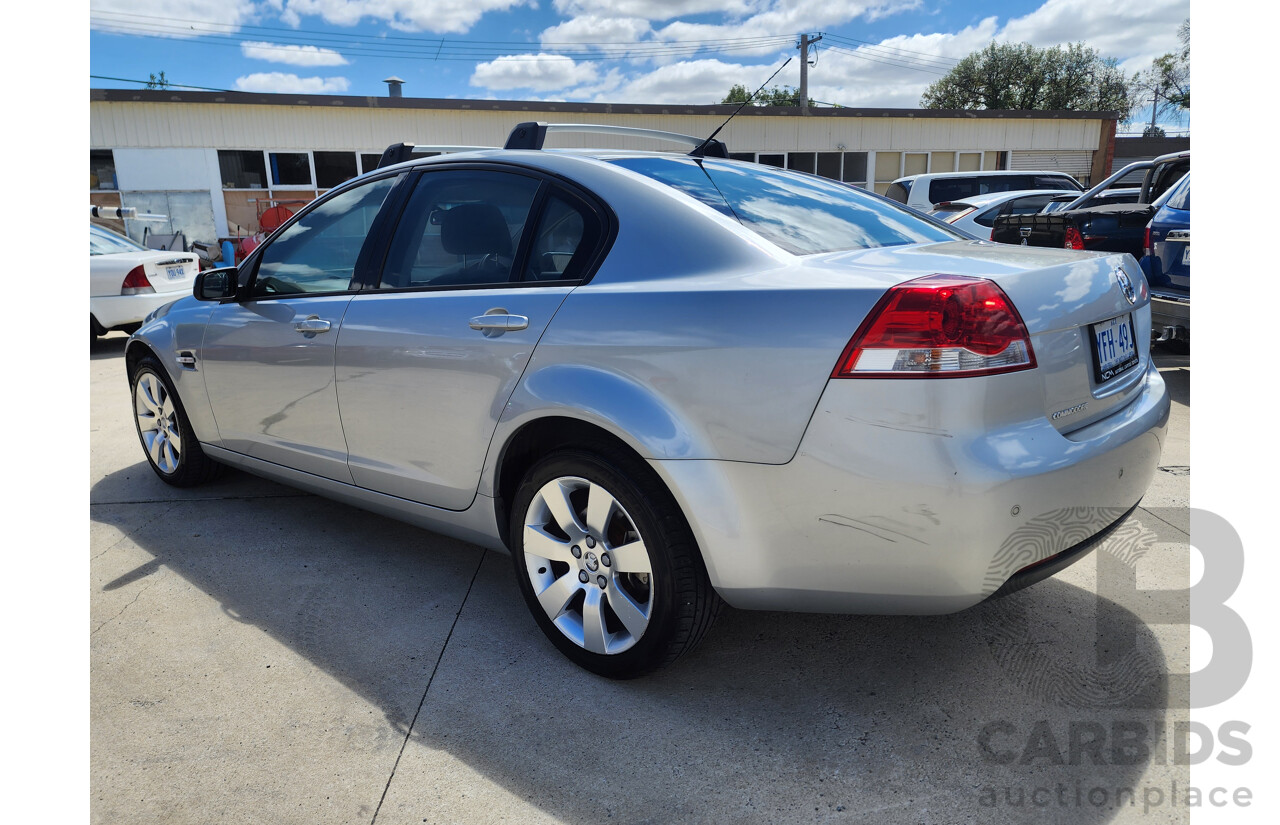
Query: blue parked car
[{"x": 1167, "y": 263}]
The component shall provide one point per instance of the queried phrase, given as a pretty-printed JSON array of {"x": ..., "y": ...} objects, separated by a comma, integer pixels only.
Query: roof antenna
[{"x": 701, "y": 150}]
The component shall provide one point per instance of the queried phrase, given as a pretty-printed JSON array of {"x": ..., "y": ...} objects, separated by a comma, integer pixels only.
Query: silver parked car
[{"x": 662, "y": 381}]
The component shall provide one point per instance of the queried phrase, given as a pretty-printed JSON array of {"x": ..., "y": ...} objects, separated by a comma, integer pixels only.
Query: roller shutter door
[{"x": 1077, "y": 163}]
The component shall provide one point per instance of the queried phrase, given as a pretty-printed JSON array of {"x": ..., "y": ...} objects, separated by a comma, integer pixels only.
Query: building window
[
  {"x": 801, "y": 162},
  {"x": 332, "y": 168},
  {"x": 829, "y": 165},
  {"x": 102, "y": 169},
  {"x": 749, "y": 157},
  {"x": 369, "y": 162},
  {"x": 772, "y": 160},
  {"x": 855, "y": 168},
  {"x": 290, "y": 169},
  {"x": 241, "y": 169}
]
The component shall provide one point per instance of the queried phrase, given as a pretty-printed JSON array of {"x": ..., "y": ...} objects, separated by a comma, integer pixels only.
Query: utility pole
[{"x": 805, "y": 42}]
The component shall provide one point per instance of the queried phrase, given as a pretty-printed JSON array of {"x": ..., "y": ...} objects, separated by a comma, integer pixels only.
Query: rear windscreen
[{"x": 803, "y": 214}]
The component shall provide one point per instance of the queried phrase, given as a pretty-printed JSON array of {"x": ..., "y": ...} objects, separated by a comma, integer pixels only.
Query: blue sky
[{"x": 874, "y": 53}]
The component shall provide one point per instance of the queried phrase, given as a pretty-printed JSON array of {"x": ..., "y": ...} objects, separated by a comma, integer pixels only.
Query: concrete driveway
[{"x": 259, "y": 655}]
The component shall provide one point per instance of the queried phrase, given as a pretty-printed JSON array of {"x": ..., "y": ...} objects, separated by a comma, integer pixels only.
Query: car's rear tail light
[
  {"x": 939, "y": 326},
  {"x": 1073, "y": 239},
  {"x": 1146, "y": 240},
  {"x": 135, "y": 283}
]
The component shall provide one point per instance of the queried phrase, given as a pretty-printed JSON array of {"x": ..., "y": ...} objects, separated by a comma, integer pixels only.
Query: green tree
[
  {"x": 158, "y": 82},
  {"x": 1166, "y": 85},
  {"x": 1021, "y": 76},
  {"x": 776, "y": 96}
]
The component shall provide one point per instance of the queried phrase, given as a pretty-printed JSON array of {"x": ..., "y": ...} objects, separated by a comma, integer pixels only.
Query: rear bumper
[
  {"x": 119, "y": 310},
  {"x": 902, "y": 515},
  {"x": 1170, "y": 311}
]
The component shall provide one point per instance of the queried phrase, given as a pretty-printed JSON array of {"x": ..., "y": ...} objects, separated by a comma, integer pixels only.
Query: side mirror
[{"x": 216, "y": 284}]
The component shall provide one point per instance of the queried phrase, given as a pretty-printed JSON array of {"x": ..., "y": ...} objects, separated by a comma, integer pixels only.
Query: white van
[{"x": 922, "y": 192}]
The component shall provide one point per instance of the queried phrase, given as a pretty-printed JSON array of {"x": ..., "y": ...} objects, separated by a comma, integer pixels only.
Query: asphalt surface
[{"x": 260, "y": 655}]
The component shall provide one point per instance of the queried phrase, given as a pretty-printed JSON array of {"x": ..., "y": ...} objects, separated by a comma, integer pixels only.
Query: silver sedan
[{"x": 664, "y": 382}]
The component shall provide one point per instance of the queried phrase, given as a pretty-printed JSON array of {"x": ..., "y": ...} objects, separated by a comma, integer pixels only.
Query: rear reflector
[
  {"x": 939, "y": 326},
  {"x": 136, "y": 282}
]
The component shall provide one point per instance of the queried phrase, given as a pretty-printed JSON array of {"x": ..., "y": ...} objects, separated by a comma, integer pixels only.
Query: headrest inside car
[{"x": 475, "y": 229}]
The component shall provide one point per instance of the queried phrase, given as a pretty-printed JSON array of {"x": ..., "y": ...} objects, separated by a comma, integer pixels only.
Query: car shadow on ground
[
  {"x": 1008, "y": 711},
  {"x": 108, "y": 346}
]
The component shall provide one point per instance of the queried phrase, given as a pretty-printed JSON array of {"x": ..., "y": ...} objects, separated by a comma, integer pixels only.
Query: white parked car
[
  {"x": 922, "y": 192},
  {"x": 127, "y": 280}
]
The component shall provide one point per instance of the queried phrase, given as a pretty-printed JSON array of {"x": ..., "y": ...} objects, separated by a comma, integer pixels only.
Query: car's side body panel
[
  {"x": 421, "y": 391},
  {"x": 709, "y": 351},
  {"x": 271, "y": 385}
]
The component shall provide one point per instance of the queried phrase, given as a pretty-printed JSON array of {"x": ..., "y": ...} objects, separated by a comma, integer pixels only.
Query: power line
[
  {"x": 886, "y": 61},
  {"x": 166, "y": 84},
  {"x": 138, "y": 25},
  {"x": 880, "y": 47}
]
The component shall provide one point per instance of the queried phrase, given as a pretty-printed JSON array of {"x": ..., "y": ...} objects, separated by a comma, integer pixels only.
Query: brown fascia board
[{"x": 518, "y": 106}]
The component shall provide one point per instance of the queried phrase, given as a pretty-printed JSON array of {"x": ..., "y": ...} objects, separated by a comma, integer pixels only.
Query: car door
[
  {"x": 268, "y": 356},
  {"x": 479, "y": 263}
]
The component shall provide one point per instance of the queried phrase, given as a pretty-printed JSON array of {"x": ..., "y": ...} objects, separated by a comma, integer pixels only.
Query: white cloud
[
  {"x": 1134, "y": 33},
  {"x": 689, "y": 82},
  {"x": 441, "y": 16},
  {"x": 784, "y": 18},
  {"x": 167, "y": 18},
  {"x": 653, "y": 9},
  {"x": 293, "y": 55},
  {"x": 593, "y": 29},
  {"x": 540, "y": 72},
  {"x": 281, "y": 82}
]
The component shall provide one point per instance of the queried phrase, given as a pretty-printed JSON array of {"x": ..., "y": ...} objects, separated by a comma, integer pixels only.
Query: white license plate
[
  {"x": 173, "y": 273},
  {"x": 1186, "y": 256},
  {"x": 1114, "y": 347}
]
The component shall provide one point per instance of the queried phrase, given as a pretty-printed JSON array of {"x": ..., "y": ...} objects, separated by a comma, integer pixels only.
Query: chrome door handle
[
  {"x": 312, "y": 325},
  {"x": 499, "y": 322}
]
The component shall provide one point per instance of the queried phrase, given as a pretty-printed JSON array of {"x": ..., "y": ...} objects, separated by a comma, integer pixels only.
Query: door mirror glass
[{"x": 216, "y": 284}]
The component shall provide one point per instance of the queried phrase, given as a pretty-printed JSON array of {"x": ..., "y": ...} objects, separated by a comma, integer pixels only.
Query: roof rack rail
[
  {"x": 400, "y": 152},
  {"x": 533, "y": 134}
]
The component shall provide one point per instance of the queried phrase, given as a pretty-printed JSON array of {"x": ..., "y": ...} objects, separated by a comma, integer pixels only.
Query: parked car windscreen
[
  {"x": 104, "y": 242},
  {"x": 803, "y": 214},
  {"x": 952, "y": 189}
]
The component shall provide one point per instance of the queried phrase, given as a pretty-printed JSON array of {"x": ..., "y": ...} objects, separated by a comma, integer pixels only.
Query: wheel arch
[{"x": 534, "y": 440}]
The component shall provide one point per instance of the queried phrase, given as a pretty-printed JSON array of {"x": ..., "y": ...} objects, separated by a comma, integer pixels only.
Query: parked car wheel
[
  {"x": 167, "y": 439},
  {"x": 608, "y": 564}
]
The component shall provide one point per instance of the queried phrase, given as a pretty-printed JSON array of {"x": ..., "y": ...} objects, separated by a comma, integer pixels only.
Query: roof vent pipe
[{"x": 393, "y": 86}]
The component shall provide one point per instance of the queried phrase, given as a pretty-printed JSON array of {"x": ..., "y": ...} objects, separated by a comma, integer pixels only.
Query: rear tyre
[
  {"x": 607, "y": 563},
  {"x": 164, "y": 431}
]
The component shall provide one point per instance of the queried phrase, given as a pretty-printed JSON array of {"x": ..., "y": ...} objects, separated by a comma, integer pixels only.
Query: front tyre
[
  {"x": 608, "y": 564},
  {"x": 164, "y": 431}
]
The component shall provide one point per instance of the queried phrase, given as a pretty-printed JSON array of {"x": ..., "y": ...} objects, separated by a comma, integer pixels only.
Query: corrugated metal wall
[{"x": 115, "y": 125}]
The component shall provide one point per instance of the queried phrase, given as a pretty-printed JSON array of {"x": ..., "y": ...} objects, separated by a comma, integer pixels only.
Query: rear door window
[{"x": 460, "y": 228}]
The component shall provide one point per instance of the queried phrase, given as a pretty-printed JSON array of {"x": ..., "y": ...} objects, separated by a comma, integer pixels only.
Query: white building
[{"x": 215, "y": 161}]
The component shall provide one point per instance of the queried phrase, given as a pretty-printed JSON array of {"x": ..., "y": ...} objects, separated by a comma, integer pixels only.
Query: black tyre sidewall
[{"x": 653, "y": 648}]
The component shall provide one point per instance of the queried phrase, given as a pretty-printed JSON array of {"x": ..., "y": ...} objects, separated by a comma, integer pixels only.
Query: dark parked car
[
  {"x": 1094, "y": 222},
  {"x": 1167, "y": 263}
]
